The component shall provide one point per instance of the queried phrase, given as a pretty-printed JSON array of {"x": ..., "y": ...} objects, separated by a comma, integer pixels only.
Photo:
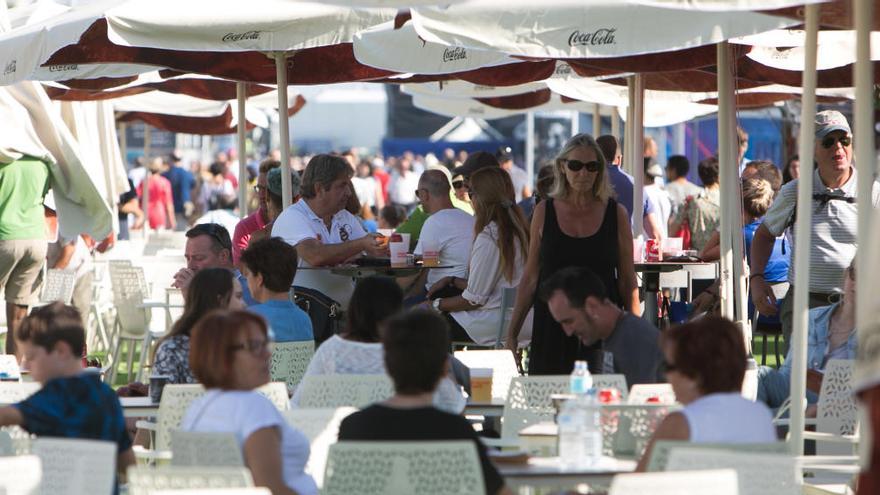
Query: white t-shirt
[
  {"x": 729, "y": 418},
  {"x": 297, "y": 223},
  {"x": 242, "y": 413},
  {"x": 365, "y": 189},
  {"x": 338, "y": 356},
  {"x": 452, "y": 231},
  {"x": 485, "y": 284},
  {"x": 662, "y": 207},
  {"x": 402, "y": 189}
]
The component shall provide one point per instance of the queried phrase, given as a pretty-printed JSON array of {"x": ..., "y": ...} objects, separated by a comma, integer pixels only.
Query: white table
[
  {"x": 550, "y": 471},
  {"x": 138, "y": 407}
]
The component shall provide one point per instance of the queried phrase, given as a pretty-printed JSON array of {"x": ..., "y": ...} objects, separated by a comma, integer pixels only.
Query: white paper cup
[
  {"x": 481, "y": 384},
  {"x": 406, "y": 239},
  {"x": 398, "y": 253}
]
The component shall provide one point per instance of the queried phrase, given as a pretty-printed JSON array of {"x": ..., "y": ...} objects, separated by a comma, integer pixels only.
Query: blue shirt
[
  {"x": 622, "y": 183},
  {"x": 817, "y": 341},
  {"x": 182, "y": 182},
  {"x": 777, "y": 266},
  {"x": 245, "y": 290},
  {"x": 76, "y": 407},
  {"x": 287, "y": 323}
]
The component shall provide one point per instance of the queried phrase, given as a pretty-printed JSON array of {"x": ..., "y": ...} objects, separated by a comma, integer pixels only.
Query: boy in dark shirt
[
  {"x": 417, "y": 357},
  {"x": 71, "y": 404}
]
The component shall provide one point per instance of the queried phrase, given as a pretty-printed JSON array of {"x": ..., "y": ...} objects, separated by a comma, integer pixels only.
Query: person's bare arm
[
  {"x": 66, "y": 255},
  {"x": 318, "y": 254},
  {"x": 525, "y": 293},
  {"x": 123, "y": 461},
  {"x": 673, "y": 427},
  {"x": 626, "y": 271},
  {"x": 10, "y": 416},
  {"x": 762, "y": 293},
  {"x": 262, "y": 455},
  {"x": 133, "y": 208},
  {"x": 652, "y": 227},
  {"x": 172, "y": 218},
  {"x": 712, "y": 250}
]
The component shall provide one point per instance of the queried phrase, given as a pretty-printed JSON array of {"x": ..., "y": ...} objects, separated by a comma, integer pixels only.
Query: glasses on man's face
[
  {"x": 576, "y": 165},
  {"x": 254, "y": 346},
  {"x": 458, "y": 184},
  {"x": 831, "y": 141},
  {"x": 218, "y": 232},
  {"x": 419, "y": 192}
]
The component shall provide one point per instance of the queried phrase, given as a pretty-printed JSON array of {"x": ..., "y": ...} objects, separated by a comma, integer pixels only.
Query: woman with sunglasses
[
  {"x": 580, "y": 224},
  {"x": 230, "y": 356},
  {"x": 706, "y": 364}
]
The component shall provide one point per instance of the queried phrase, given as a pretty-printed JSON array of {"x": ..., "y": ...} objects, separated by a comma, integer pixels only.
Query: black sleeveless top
[{"x": 552, "y": 352}]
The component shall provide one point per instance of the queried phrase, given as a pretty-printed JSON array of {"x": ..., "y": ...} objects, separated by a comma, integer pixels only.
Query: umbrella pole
[
  {"x": 725, "y": 164},
  {"x": 283, "y": 127},
  {"x": 146, "y": 189},
  {"x": 615, "y": 123},
  {"x": 240, "y": 95},
  {"x": 597, "y": 120},
  {"x": 636, "y": 139},
  {"x": 530, "y": 147},
  {"x": 575, "y": 122},
  {"x": 864, "y": 157},
  {"x": 803, "y": 234}
]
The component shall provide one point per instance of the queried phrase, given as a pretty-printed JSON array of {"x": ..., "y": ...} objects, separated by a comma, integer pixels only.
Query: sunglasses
[
  {"x": 458, "y": 184},
  {"x": 575, "y": 165},
  {"x": 830, "y": 141},
  {"x": 218, "y": 232}
]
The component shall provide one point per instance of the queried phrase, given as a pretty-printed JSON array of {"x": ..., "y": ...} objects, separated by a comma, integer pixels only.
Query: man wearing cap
[
  {"x": 182, "y": 183},
  {"x": 520, "y": 178},
  {"x": 256, "y": 220},
  {"x": 835, "y": 217}
]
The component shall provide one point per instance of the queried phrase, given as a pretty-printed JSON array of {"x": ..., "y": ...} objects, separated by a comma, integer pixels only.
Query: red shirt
[
  {"x": 160, "y": 195},
  {"x": 383, "y": 178},
  {"x": 243, "y": 230}
]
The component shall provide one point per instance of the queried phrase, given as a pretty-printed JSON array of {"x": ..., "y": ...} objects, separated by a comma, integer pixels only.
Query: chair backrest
[
  {"x": 659, "y": 393},
  {"x": 614, "y": 380},
  {"x": 76, "y": 467},
  {"x": 508, "y": 301},
  {"x": 176, "y": 399},
  {"x": 129, "y": 291},
  {"x": 321, "y": 427},
  {"x": 190, "y": 448},
  {"x": 290, "y": 360},
  {"x": 660, "y": 452},
  {"x": 58, "y": 286},
  {"x": 757, "y": 474},
  {"x": 215, "y": 491},
  {"x": 12, "y": 392},
  {"x": 716, "y": 482},
  {"x": 627, "y": 428},
  {"x": 149, "y": 480},
  {"x": 344, "y": 390},
  {"x": 837, "y": 411},
  {"x": 404, "y": 468},
  {"x": 503, "y": 367},
  {"x": 20, "y": 475}
]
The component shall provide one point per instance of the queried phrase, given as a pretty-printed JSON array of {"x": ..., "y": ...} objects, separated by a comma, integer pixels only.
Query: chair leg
[
  {"x": 110, "y": 376},
  {"x": 764, "y": 349},
  {"x": 145, "y": 350},
  {"x": 776, "y": 350},
  {"x": 130, "y": 346}
]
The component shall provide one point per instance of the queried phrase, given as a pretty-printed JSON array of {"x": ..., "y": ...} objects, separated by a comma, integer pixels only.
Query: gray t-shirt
[
  {"x": 520, "y": 179},
  {"x": 633, "y": 350},
  {"x": 679, "y": 192}
]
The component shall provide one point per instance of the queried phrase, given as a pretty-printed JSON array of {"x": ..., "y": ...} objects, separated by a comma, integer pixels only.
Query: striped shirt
[{"x": 835, "y": 222}]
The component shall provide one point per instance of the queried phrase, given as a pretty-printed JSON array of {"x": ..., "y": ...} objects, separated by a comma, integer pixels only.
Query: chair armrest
[
  {"x": 787, "y": 422},
  {"x": 141, "y": 453},
  {"x": 806, "y": 460},
  {"x": 500, "y": 443},
  {"x": 143, "y": 424},
  {"x": 830, "y": 437}
]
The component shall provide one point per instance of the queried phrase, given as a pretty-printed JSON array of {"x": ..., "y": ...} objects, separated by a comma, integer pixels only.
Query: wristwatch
[{"x": 436, "y": 304}]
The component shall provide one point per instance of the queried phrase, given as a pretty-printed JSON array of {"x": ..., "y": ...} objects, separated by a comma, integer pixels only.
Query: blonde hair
[
  {"x": 757, "y": 196},
  {"x": 601, "y": 190},
  {"x": 493, "y": 200}
]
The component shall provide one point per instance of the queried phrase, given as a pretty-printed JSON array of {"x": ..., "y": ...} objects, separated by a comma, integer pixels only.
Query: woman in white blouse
[
  {"x": 358, "y": 351},
  {"x": 501, "y": 239}
]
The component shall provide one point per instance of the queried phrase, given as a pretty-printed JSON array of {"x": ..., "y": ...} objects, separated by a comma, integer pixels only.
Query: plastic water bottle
[
  {"x": 592, "y": 429},
  {"x": 571, "y": 421},
  {"x": 581, "y": 381}
]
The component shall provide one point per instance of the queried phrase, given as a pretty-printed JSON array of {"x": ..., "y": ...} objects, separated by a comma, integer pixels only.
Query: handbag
[
  {"x": 684, "y": 230},
  {"x": 325, "y": 313}
]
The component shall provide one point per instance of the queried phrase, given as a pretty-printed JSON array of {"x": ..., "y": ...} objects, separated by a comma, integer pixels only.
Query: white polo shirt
[{"x": 297, "y": 223}]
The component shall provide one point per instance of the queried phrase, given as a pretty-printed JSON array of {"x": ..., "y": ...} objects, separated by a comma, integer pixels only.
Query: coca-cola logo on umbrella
[
  {"x": 601, "y": 36},
  {"x": 63, "y": 67},
  {"x": 457, "y": 53},
  {"x": 233, "y": 37}
]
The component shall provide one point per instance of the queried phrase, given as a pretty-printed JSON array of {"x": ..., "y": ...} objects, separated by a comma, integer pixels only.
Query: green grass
[{"x": 772, "y": 342}]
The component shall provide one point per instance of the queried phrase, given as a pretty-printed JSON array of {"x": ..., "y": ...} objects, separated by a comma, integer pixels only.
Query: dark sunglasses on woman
[
  {"x": 575, "y": 165},
  {"x": 458, "y": 184}
]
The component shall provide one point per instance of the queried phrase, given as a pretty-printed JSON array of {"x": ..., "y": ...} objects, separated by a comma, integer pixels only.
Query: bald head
[{"x": 435, "y": 182}]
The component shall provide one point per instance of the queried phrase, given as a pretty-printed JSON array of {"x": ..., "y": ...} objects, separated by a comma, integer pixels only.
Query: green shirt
[
  {"x": 23, "y": 185},
  {"x": 413, "y": 224}
]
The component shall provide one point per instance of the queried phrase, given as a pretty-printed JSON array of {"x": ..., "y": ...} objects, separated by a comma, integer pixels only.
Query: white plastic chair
[
  {"x": 6, "y": 447},
  {"x": 403, "y": 468},
  {"x": 612, "y": 380},
  {"x": 290, "y": 360},
  {"x": 58, "y": 285},
  {"x": 715, "y": 482},
  {"x": 147, "y": 481},
  {"x": 215, "y": 491},
  {"x": 503, "y": 367},
  {"x": 660, "y": 452},
  {"x": 76, "y": 467},
  {"x": 326, "y": 391},
  {"x": 20, "y": 475},
  {"x": 321, "y": 427},
  {"x": 132, "y": 324},
  {"x": 640, "y": 393},
  {"x": 757, "y": 474},
  {"x": 190, "y": 448},
  {"x": 508, "y": 300}
]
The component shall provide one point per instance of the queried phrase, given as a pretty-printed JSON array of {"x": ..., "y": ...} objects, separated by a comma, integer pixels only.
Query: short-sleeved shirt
[
  {"x": 172, "y": 360},
  {"x": 451, "y": 231},
  {"x": 633, "y": 350},
  {"x": 777, "y": 266},
  {"x": 297, "y": 223},
  {"x": 182, "y": 182},
  {"x": 623, "y": 184},
  {"x": 833, "y": 242},
  {"x": 244, "y": 412},
  {"x": 23, "y": 184},
  {"x": 241, "y": 236},
  {"x": 416, "y": 220},
  {"x": 287, "y": 323},
  {"x": 679, "y": 192},
  {"x": 379, "y": 422},
  {"x": 79, "y": 406},
  {"x": 520, "y": 179},
  {"x": 160, "y": 195}
]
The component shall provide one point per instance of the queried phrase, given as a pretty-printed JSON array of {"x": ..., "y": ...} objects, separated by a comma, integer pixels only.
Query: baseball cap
[
  {"x": 273, "y": 181},
  {"x": 828, "y": 121},
  {"x": 504, "y": 154},
  {"x": 476, "y": 161}
]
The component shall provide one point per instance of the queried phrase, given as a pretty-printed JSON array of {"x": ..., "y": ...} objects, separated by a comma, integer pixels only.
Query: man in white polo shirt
[
  {"x": 323, "y": 231},
  {"x": 835, "y": 217}
]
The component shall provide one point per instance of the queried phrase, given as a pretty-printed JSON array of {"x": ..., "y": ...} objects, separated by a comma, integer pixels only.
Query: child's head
[{"x": 52, "y": 340}]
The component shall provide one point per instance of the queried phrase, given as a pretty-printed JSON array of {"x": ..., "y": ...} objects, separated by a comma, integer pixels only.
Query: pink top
[
  {"x": 243, "y": 230},
  {"x": 160, "y": 196}
]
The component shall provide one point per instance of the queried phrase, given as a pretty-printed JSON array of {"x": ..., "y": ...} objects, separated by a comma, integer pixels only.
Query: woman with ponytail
[{"x": 501, "y": 240}]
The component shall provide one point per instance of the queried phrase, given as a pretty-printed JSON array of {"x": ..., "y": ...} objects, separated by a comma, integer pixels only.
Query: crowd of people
[{"x": 566, "y": 251}]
